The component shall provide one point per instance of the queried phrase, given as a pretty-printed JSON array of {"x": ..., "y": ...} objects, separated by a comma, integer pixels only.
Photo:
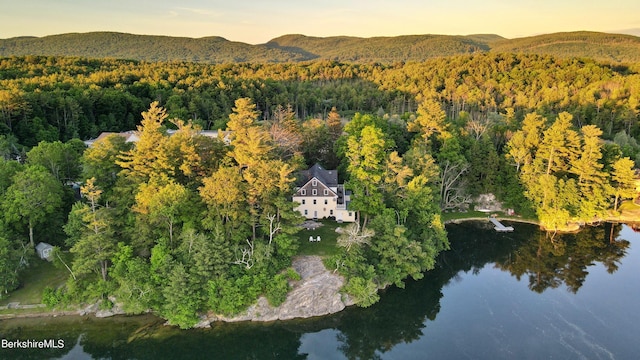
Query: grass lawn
[
  {"x": 33, "y": 280},
  {"x": 325, "y": 247},
  {"x": 483, "y": 215},
  {"x": 11, "y": 312},
  {"x": 628, "y": 205},
  {"x": 446, "y": 216},
  {"x": 628, "y": 211}
]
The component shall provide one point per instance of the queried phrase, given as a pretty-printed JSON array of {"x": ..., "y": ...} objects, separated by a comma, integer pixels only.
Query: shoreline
[
  {"x": 317, "y": 293},
  {"x": 268, "y": 313},
  {"x": 500, "y": 218},
  {"x": 572, "y": 228}
]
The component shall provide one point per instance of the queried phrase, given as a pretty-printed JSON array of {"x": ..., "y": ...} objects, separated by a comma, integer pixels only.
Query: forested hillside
[
  {"x": 145, "y": 47},
  {"x": 295, "y": 48},
  {"x": 380, "y": 49},
  {"x": 582, "y": 44}
]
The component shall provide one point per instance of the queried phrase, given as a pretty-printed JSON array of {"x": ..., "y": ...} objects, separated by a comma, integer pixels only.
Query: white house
[{"x": 320, "y": 196}]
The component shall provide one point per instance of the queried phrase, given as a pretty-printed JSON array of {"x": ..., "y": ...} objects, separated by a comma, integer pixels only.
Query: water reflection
[
  {"x": 555, "y": 260},
  {"x": 403, "y": 316}
]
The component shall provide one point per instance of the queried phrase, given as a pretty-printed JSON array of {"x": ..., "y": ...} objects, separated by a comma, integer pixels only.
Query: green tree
[
  {"x": 62, "y": 160},
  {"x": 75, "y": 228},
  {"x": 550, "y": 184},
  {"x": 623, "y": 180},
  {"x": 484, "y": 167},
  {"x": 628, "y": 145},
  {"x": 34, "y": 196},
  {"x": 8, "y": 169},
  {"x": 559, "y": 147},
  {"x": 9, "y": 147},
  {"x": 562, "y": 199},
  {"x": 397, "y": 255},
  {"x": 95, "y": 248},
  {"x": 134, "y": 289},
  {"x": 591, "y": 179},
  {"x": 100, "y": 161},
  {"x": 524, "y": 143},
  {"x": 181, "y": 300},
  {"x": 9, "y": 265},
  {"x": 204, "y": 256},
  {"x": 317, "y": 144},
  {"x": 366, "y": 153},
  {"x": 180, "y": 154},
  {"x": 364, "y": 291},
  {"x": 164, "y": 204}
]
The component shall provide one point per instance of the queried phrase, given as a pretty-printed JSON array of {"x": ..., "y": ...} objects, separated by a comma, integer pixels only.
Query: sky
[{"x": 257, "y": 22}]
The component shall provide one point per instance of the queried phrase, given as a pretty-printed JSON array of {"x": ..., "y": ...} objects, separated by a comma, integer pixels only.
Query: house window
[
  {"x": 314, "y": 183},
  {"x": 331, "y": 212},
  {"x": 314, "y": 201},
  {"x": 314, "y": 192},
  {"x": 303, "y": 192},
  {"x": 306, "y": 212},
  {"x": 349, "y": 213},
  {"x": 303, "y": 201},
  {"x": 326, "y": 192},
  {"x": 325, "y": 201}
]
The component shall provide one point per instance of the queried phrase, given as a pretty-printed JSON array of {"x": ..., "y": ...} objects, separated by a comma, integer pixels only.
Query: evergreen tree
[
  {"x": 96, "y": 246},
  {"x": 591, "y": 179},
  {"x": 623, "y": 181},
  {"x": 146, "y": 159}
]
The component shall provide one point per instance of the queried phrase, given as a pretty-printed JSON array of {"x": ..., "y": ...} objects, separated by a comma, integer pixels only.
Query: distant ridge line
[{"x": 599, "y": 46}]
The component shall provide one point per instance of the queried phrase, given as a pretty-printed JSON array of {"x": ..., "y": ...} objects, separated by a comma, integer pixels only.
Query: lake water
[{"x": 520, "y": 295}]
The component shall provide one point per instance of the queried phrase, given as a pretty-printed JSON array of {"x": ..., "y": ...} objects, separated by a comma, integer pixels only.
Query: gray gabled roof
[{"x": 327, "y": 177}]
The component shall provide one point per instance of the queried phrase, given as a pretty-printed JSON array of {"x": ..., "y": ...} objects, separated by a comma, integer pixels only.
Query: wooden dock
[{"x": 499, "y": 227}]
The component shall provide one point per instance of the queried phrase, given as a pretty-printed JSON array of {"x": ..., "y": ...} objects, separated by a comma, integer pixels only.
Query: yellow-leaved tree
[{"x": 146, "y": 159}]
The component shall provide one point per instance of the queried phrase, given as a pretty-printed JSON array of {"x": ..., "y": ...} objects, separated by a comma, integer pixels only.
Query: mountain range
[{"x": 615, "y": 48}]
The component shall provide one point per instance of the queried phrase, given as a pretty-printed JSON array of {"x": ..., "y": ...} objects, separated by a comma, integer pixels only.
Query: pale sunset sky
[{"x": 257, "y": 22}]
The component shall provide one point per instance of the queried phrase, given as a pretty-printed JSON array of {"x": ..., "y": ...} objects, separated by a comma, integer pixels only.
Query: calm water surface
[{"x": 521, "y": 295}]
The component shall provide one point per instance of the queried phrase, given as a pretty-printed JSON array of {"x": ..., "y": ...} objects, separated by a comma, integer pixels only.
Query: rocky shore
[{"x": 317, "y": 293}]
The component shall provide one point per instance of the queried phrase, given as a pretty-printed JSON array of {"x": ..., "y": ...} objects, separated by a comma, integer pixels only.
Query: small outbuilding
[{"x": 45, "y": 251}]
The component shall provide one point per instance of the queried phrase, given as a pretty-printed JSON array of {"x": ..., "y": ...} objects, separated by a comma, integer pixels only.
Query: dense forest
[
  {"x": 615, "y": 48},
  {"x": 583, "y": 44},
  {"x": 181, "y": 223},
  {"x": 50, "y": 98}
]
